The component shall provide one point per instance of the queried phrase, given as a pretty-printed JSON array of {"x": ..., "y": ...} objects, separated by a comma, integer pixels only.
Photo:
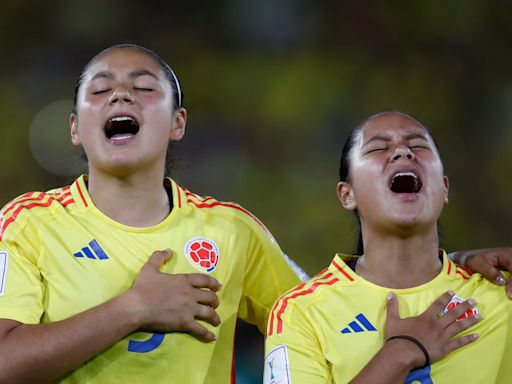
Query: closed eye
[
  {"x": 143, "y": 89},
  {"x": 376, "y": 150},
  {"x": 419, "y": 147},
  {"x": 100, "y": 91}
]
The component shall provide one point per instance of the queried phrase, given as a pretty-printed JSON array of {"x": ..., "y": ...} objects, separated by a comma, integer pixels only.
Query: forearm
[
  {"x": 390, "y": 365},
  {"x": 44, "y": 352}
]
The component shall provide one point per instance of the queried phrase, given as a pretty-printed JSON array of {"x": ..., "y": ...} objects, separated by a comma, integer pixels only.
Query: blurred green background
[{"x": 272, "y": 89}]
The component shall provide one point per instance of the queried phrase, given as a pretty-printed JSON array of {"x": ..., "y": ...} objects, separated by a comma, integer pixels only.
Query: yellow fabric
[
  {"x": 54, "y": 269},
  {"x": 305, "y": 342}
]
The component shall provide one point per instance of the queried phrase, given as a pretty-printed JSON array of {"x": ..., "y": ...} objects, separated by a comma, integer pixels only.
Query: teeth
[
  {"x": 121, "y": 136},
  {"x": 122, "y": 118},
  {"x": 405, "y": 174}
]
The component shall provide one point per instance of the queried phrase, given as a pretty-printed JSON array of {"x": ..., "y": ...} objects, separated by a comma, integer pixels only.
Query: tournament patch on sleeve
[
  {"x": 4, "y": 257},
  {"x": 277, "y": 369}
]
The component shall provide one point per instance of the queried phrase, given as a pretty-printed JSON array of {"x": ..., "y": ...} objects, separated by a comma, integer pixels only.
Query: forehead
[
  {"x": 393, "y": 125},
  {"x": 119, "y": 61}
]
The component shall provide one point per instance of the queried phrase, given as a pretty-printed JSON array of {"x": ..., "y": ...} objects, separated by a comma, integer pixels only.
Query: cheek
[
  {"x": 158, "y": 107},
  {"x": 365, "y": 186},
  {"x": 88, "y": 104},
  {"x": 366, "y": 172}
]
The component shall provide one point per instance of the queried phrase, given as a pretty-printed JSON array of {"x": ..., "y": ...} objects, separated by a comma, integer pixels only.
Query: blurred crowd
[{"x": 272, "y": 88}]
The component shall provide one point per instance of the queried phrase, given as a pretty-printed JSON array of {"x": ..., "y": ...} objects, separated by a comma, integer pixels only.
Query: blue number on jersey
[
  {"x": 146, "y": 346},
  {"x": 420, "y": 375}
]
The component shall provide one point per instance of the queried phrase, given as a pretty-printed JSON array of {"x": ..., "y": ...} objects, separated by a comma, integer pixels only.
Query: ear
[
  {"x": 446, "y": 188},
  {"x": 73, "y": 124},
  {"x": 179, "y": 120},
  {"x": 346, "y": 196}
]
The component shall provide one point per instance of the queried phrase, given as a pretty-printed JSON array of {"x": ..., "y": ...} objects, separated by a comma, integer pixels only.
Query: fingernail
[
  {"x": 451, "y": 293},
  {"x": 472, "y": 302},
  {"x": 475, "y": 336},
  {"x": 500, "y": 280},
  {"x": 476, "y": 316},
  {"x": 390, "y": 295}
]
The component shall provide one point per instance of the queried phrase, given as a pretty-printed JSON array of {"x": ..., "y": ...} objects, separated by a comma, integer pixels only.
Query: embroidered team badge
[
  {"x": 455, "y": 301},
  {"x": 202, "y": 253}
]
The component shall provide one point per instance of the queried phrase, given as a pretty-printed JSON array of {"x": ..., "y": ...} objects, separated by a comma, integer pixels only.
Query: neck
[
  {"x": 400, "y": 262},
  {"x": 137, "y": 200}
]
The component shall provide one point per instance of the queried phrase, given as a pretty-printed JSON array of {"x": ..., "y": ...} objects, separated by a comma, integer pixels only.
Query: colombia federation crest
[{"x": 202, "y": 253}]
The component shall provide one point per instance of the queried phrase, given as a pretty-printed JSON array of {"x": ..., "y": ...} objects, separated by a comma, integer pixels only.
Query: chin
[
  {"x": 413, "y": 223},
  {"x": 119, "y": 165}
]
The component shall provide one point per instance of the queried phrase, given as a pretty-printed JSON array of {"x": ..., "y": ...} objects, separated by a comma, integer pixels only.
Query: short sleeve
[
  {"x": 21, "y": 287},
  {"x": 293, "y": 354},
  {"x": 269, "y": 273}
]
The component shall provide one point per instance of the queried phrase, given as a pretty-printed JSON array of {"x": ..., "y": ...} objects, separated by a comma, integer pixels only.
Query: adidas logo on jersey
[
  {"x": 92, "y": 251},
  {"x": 360, "y": 324}
]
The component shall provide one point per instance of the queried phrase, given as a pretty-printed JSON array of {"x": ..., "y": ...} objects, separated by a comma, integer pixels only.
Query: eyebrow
[
  {"x": 386, "y": 138},
  {"x": 142, "y": 72},
  {"x": 132, "y": 75}
]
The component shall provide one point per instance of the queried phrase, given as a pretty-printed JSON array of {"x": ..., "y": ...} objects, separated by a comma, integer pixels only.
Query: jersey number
[{"x": 147, "y": 345}]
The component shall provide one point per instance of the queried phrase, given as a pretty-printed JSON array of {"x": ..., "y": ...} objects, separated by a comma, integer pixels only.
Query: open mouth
[
  {"x": 120, "y": 127},
  {"x": 405, "y": 182}
]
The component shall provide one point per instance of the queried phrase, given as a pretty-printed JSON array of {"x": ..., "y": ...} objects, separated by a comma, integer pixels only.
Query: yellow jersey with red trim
[
  {"x": 327, "y": 329},
  {"x": 59, "y": 256}
]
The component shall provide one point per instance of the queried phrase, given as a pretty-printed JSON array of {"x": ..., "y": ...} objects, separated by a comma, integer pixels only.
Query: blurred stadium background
[{"x": 272, "y": 89}]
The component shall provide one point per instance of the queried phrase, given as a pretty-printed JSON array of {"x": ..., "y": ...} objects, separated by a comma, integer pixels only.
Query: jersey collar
[
  {"x": 81, "y": 194},
  {"x": 342, "y": 271}
]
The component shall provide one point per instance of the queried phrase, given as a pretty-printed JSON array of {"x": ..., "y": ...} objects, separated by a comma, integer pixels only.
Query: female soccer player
[
  {"x": 401, "y": 312},
  {"x": 98, "y": 280},
  {"x": 124, "y": 276}
]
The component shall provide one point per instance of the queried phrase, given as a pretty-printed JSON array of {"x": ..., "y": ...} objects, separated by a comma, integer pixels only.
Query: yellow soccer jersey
[
  {"x": 328, "y": 329},
  {"x": 59, "y": 255}
]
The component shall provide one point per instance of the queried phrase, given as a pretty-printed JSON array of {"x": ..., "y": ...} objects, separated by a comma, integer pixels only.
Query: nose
[
  {"x": 402, "y": 151},
  {"x": 121, "y": 94}
]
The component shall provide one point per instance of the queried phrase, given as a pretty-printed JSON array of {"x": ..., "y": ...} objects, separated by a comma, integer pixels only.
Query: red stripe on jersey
[
  {"x": 272, "y": 315},
  {"x": 339, "y": 268},
  {"x": 461, "y": 271},
  {"x": 21, "y": 198},
  {"x": 449, "y": 266},
  {"x": 318, "y": 275},
  {"x": 67, "y": 202},
  {"x": 63, "y": 196},
  {"x": 468, "y": 272},
  {"x": 19, "y": 209},
  {"x": 297, "y": 288},
  {"x": 306, "y": 292},
  {"x": 199, "y": 198},
  {"x": 61, "y": 191},
  {"x": 280, "y": 306},
  {"x": 178, "y": 192},
  {"x": 81, "y": 194},
  {"x": 65, "y": 193},
  {"x": 26, "y": 197},
  {"x": 60, "y": 194},
  {"x": 231, "y": 205}
]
